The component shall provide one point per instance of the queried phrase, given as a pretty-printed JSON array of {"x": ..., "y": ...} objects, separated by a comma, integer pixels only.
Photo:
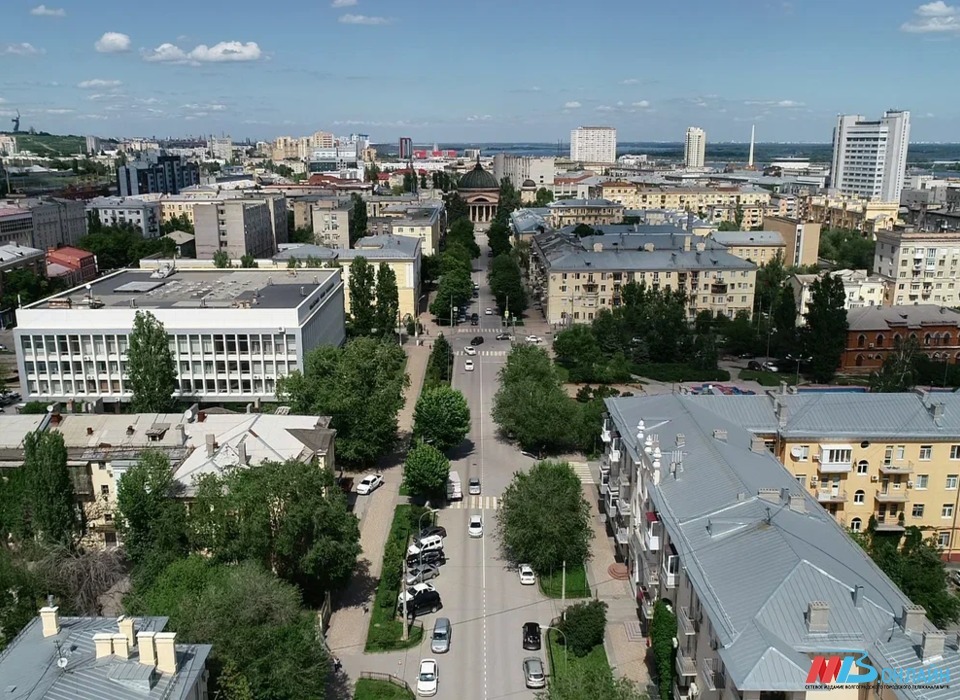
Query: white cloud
[
  {"x": 58, "y": 111},
  {"x": 934, "y": 18},
  {"x": 98, "y": 117},
  {"x": 22, "y": 49},
  {"x": 479, "y": 118},
  {"x": 784, "y": 104},
  {"x": 44, "y": 11},
  {"x": 630, "y": 81},
  {"x": 605, "y": 108},
  {"x": 210, "y": 107},
  {"x": 343, "y": 3},
  {"x": 573, "y": 104},
  {"x": 102, "y": 96},
  {"x": 642, "y": 104},
  {"x": 789, "y": 104},
  {"x": 148, "y": 101},
  {"x": 99, "y": 83},
  {"x": 364, "y": 19},
  {"x": 113, "y": 42},
  {"x": 223, "y": 52}
]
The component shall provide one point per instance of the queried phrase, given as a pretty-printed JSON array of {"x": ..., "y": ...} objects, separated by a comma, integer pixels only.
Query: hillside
[{"x": 51, "y": 145}]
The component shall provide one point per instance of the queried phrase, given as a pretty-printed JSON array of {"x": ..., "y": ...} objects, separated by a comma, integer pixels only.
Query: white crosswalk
[
  {"x": 476, "y": 503},
  {"x": 483, "y": 353},
  {"x": 473, "y": 330},
  {"x": 583, "y": 470}
]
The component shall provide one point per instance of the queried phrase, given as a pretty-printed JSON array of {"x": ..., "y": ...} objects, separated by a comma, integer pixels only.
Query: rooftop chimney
[
  {"x": 769, "y": 495},
  {"x": 103, "y": 643},
  {"x": 148, "y": 653},
  {"x": 55, "y": 418},
  {"x": 121, "y": 647},
  {"x": 757, "y": 445},
  {"x": 933, "y": 645},
  {"x": 720, "y": 435},
  {"x": 818, "y": 617},
  {"x": 797, "y": 503},
  {"x": 937, "y": 411},
  {"x": 181, "y": 434},
  {"x": 598, "y": 247},
  {"x": 50, "y": 618},
  {"x": 211, "y": 444},
  {"x": 913, "y": 617},
  {"x": 242, "y": 453},
  {"x": 125, "y": 625},
  {"x": 857, "y": 596},
  {"x": 166, "y": 651}
]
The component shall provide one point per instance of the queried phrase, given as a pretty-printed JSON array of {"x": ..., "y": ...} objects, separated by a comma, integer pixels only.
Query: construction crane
[{"x": 16, "y": 123}]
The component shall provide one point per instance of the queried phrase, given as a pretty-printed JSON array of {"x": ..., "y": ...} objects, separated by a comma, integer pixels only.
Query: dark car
[
  {"x": 503, "y": 336},
  {"x": 433, "y": 530},
  {"x": 746, "y": 356},
  {"x": 531, "y": 636},
  {"x": 422, "y": 602},
  {"x": 433, "y": 556},
  {"x": 754, "y": 366},
  {"x": 474, "y": 320},
  {"x": 477, "y": 340}
]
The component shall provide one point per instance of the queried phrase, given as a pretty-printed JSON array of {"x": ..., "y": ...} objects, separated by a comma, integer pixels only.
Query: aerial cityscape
[{"x": 374, "y": 351}]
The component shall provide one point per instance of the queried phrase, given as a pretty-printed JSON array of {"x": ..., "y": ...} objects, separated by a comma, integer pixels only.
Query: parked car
[
  {"x": 3, "y": 348},
  {"x": 413, "y": 591},
  {"x": 421, "y": 603},
  {"x": 433, "y": 530},
  {"x": 422, "y": 573},
  {"x": 431, "y": 556},
  {"x": 533, "y": 672},
  {"x": 488, "y": 312},
  {"x": 475, "y": 528},
  {"x": 470, "y": 350},
  {"x": 476, "y": 340},
  {"x": 527, "y": 577},
  {"x": 474, "y": 318},
  {"x": 369, "y": 484},
  {"x": 531, "y": 636},
  {"x": 474, "y": 486},
  {"x": 503, "y": 336},
  {"x": 746, "y": 356},
  {"x": 440, "y": 639},
  {"x": 534, "y": 339},
  {"x": 468, "y": 365},
  {"x": 427, "y": 678},
  {"x": 770, "y": 366},
  {"x": 425, "y": 544},
  {"x": 754, "y": 366}
]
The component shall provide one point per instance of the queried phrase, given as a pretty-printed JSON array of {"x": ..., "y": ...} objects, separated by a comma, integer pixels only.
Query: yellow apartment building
[
  {"x": 758, "y": 247},
  {"x": 695, "y": 199},
  {"x": 592, "y": 212},
  {"x": 850, "y": 212}
]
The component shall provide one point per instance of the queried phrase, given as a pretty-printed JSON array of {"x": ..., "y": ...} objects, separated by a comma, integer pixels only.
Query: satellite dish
[
  {"x": 62, "y": 662},
  {"x": 796, "y": 452}
]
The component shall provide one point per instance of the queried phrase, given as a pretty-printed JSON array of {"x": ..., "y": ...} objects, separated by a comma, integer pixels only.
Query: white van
[{"x": 428, "y": 543}]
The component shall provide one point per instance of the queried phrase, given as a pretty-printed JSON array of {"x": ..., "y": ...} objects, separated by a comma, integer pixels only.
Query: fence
[{"x": 387, "y": 678}]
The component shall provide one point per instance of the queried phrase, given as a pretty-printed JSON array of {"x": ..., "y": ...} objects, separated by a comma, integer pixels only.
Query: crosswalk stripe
[
  {"x": 476, "y": 503},
  {"x": 482, "y": 353},
  {"x": 582, "y": 469}
]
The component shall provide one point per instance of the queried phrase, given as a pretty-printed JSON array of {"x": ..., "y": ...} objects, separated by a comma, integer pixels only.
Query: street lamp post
[
  {"x": 798, "y": 359},
  {"x": 557, "y": 629}
]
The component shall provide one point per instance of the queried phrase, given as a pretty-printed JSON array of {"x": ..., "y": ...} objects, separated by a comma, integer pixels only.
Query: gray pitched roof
[
  {"x": 757, "y": 564},
  {"x": 742, "y": 238},
  {"x": 28, "y": 667},
  {"x": 881, "y": 318}
]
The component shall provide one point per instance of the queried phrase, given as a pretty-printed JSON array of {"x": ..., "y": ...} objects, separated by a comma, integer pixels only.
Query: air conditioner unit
[
  {"x": 909, "y": 484},
  {"x": 814, "y": 480},
  {"x": 874, "y": 478},
  {"x": 816, "y": 458}
]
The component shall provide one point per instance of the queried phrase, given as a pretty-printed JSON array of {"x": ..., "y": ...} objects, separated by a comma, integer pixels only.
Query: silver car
[
  {"x": 533, "y": 672},
  {"x": 440, "y": 640},
  {"x": 421, "y": 573}
]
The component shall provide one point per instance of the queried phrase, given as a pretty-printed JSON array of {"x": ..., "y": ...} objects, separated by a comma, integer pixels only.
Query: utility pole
[
  {"x": 403, "y": 592},
  {"x": 563, "y": 586}
]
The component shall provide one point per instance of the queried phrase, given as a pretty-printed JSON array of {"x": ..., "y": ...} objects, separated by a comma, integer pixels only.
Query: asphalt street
[{"x": 481, "y": 592}]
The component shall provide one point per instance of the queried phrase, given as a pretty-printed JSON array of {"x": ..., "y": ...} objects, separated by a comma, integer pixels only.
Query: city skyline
[{"x": 338, "y": 66}]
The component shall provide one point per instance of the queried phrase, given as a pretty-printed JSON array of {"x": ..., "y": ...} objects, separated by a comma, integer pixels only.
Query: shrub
[
  {"x": 663, "y": 629},
  {"x": 680, "y": 372},
  {"x": 583, "y": 626}
]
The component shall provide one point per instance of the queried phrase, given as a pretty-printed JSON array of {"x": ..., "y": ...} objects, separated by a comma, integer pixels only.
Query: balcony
[
  {"x": 685, "y": 624},
  {"x": 831, "y": 496},
  {"x": 684, "y": 694},
  {"x": 623, "y": 478},
  {"x": 686, "y": 666},
  {"x": 670, "y": 570},
  {"x": 622, "y": 536},
  {"x": 713, "y": 675},
  {"x": 834, "y": 461},
  {"x": 605, "y": 431},
  {"x": 651, "y": 532},
  {"x": 646, "y": 602},
  {"x": 891, "y": 496},
  {"x": 894, "y": 469},
  {"x": 889, "y": 523}
]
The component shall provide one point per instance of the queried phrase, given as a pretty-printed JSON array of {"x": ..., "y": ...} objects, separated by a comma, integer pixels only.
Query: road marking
[
  {"x": 483, "y": 549},
  {"x": 582, "y": 469},
  {"x": 477, "y": 502},
  {"x": 481, "y": 353}
]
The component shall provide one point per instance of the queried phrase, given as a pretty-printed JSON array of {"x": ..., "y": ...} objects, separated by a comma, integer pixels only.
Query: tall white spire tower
[{"x": 752, "y": 134}]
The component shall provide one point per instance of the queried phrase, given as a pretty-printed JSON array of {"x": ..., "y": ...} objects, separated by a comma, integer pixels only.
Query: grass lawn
[
  {"x": 369, "y": 689},
  {"x": 577, "y": 587},
  {"x": 563, "y": 374},
  {"x": 768, "y": 378},
  {"x": 404, "y": 491},
  {"x": 559, "y": 663}
]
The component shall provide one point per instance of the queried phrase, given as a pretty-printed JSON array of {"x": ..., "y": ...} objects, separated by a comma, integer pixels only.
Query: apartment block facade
[
  {"x": 518, "y": 169},
  {"x": 237, "y": 227},
  {"x": 854, "y": 213},
  {"x": 919, "y": 267},
  {"x": 56, "y": 221},
  {"x": 593, "y": 144},
  {"x": 698, "y": 200},
  {"x": 592, "y": 212},
  {"x": 870, "y": 156},
  {"x": 759, "y": 247},
  {"x": 694, "y": 147},
  {"x": 166, "y": 174},
  {"x": 801, "y": 239},
  {"x": 860, "y": 289},
  {"x": 875, "y": 332},
  {"x": 115, "y": 211},
  {"x": 761, "y": 579}
]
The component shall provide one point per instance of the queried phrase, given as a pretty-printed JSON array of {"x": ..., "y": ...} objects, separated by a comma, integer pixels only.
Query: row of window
[
  {"x": 891, "y": 453},
  {"x": 943, "y": 537},
  {"x": 196, "y": 344}
]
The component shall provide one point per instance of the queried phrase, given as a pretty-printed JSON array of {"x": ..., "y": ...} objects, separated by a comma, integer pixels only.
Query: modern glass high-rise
[{"x": 870, "y": 157}]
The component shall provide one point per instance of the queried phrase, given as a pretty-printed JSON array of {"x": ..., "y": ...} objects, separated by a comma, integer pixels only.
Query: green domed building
[{"x": 481, "y": 192}]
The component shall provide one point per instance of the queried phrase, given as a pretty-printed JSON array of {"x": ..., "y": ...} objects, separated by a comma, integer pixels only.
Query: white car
[
  {"x": 488, "y": 312},
  {"x": 413, "y": 590},
  {"x": 369, "y": 484},
  {"x": 427, "y": 678},
  {"x": 475, "y": 528},
  {"x": 470, "y": 350},
  {"x": 468, "y": 365},
  {"x": 527, "y": 577},
  {"x": 533, "y": 339}
]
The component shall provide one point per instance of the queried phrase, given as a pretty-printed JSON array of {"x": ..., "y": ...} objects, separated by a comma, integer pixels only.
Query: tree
[
  {"x": 456, "y": 208},
  {"x": 663, "y": 628},
  {"x": 20, "y": 594},
  {"x": 360, "y": 386},
  {"x": 248, "y": 260},
  {"x": 506, "y": 283},
  {"x": 262, "y": 639},
  {"x": 741, "y": 335},
  {"x": 543, "y": 518},
  {"x": 498, "y": 235},
  {"x": 429, "y": 270},
  {"x": 583, "y": 230},
  {"x": 48, "y": 498},
  {"x": 590, "y": 681},
  {"x": 121, "y": 245},
  {"x": 462, "y": 232},
  {"x": 441, "y": 417},
  {"x": 576, "y": 348},
  {"x": 898, "y": 372},
  {"x": 153, "y": 374},
  {"x": 387, "y": 311},
  {"x": 826, "y": 331},
  {"x": 847, "y": 249},
  {"x": 301, "y": 235},
  {"x": 439, "y": 363},
  {"x": 358, "y": 222},
  {"x": 361, "y": 283},
  {"x": 24, "y": 286},
  {"x": 785, "y": 321},
  {"x": 423, "y": 181},
  {"x": 454, "y": 291},
  {"x": 583, "y": 626},
  {"x": 425, "y": 471},
  {"x": 289, "y": 516},
  {"x": 221, "y": 259},
  {"x": 150, "y": 518},
  {"x": 544, "y": 197},
  {"x": 177, "y": 223},
  {"x": 536, "y": 415},
  {"x": 771, "y": 280},
  {"x": 509, "y": 197},
  {"x": 728, "y": 226}
]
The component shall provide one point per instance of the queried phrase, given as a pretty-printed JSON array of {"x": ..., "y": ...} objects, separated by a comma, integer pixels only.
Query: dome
[
  {"x": 528, "y": 185},
  {"x": 478, "y": 179}
]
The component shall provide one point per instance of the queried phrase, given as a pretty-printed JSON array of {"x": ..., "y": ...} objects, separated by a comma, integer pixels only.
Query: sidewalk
[
  {"x": 347, "y": 633},
  {"x": 626, "y": 650}
]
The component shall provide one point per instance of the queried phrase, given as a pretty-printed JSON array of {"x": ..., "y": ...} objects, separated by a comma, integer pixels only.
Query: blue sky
[{"x": 497, "y": 70}]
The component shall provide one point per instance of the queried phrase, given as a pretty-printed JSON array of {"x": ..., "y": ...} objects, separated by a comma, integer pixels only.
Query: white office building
[
  {"x": 870, "y": 157},
  {"x": 593, "y": 144},
  {"x": 518, "y": 169},
  {"x": 233, "y": 332},
  {"x": 115, "y": 211},
  {"x": 694, "y": 147}
]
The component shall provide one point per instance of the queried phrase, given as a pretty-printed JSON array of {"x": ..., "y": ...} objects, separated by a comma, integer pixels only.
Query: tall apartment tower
[
  {"x": 694, "y": 147},
  {"x": 870, "y": 157},
  {"x": 593, "y": 144}
]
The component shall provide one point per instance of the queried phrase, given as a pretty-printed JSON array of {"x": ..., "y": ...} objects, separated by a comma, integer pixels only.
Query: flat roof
[{"x": 192, "y": 289}]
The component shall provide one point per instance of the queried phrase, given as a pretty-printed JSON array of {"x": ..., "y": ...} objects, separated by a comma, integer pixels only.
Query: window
[
  {"x": 954, "y": 451},
  {"x": 901, "y": 450},
  {"x": 951, "y": 482},
  {"x": 858, "y": 496},
  {"x": 947, "y": 510},
  {"x": 943, "y": 539},
  {"x": 104, "y": 490},
  {"x": 837, "y": 455},
  {"x": 926, "y": 452},
  {"x": 802, "y": 452},
  {"x": 921, "y": 481},
  {"x": 917, "y": 510},
  {"x": 863, "y": 466},
  {"x": 888, "y": 455},
  {"x": 855, "y": 524},
  {"x": 801, "y": 479}
]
